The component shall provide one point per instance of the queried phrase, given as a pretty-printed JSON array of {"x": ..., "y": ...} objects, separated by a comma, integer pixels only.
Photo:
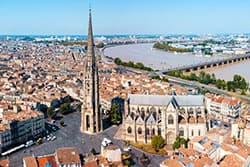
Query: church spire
[{"x": 90, "y": 51}]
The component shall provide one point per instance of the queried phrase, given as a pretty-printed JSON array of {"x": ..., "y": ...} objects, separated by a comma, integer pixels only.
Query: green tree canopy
[
  {"x": 157, "y": 142},
  {"x": 50, "y": 112},
  {"x": 115, "y": 115},
  {"x": 65, "y": 108}
]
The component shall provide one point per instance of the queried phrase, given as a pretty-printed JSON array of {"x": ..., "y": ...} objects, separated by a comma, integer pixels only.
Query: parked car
[
  {"x": 127, "y": 149},
  {"x": 29, "y": 143},
  {"x": 53, "y": 138}
]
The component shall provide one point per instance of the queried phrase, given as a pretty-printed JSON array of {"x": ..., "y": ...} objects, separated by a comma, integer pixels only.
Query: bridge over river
[{"x": 211, "y": 64}]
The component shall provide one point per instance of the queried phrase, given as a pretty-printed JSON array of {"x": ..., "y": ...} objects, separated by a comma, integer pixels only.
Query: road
[{"x": 210, "y": 88}]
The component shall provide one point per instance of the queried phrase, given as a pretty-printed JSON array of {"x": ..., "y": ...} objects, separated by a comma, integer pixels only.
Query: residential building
[
  {"x": 223, "y": 108},
  {"x": 18, "y": 125},
  {"x": 63, "y": 157}
]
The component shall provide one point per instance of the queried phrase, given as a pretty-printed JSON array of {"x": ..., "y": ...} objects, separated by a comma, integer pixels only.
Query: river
[
  {"x": 154, "y": 58},
  {"x": 229, "y": 71},
  {"x": 161, "y": 60}
]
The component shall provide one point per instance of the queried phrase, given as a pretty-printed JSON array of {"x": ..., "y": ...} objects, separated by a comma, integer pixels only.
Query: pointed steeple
[{"x": 90, "y": 51}]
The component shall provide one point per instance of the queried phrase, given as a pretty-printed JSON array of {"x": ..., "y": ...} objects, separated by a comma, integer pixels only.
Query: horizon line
[{"x": 199, "y": 34}]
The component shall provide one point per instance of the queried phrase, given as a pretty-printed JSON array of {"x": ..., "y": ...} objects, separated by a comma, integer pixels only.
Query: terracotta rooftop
[
  {"x": 171, "y": 163},
  {"x": 231, "y": 160},
  {"x": 91, "y": 164},
  {"x": 30, "y": 161},
  {"x": 4, "y": 163},
  {"x": 203, "y": 161},
  {"x": 42, "y": 161},
  {"x": 68, "y": 155}
]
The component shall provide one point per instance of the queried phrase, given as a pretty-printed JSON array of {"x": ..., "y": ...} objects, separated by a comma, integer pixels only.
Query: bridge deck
[{"x": 210, "y": 64}]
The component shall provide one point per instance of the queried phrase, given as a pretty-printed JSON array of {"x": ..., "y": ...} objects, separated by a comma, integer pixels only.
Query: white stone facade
[{"x": 168, "y": 116}]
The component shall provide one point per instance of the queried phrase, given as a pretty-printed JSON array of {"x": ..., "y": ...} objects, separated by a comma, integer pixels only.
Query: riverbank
[{"x": 169, "y": 48}]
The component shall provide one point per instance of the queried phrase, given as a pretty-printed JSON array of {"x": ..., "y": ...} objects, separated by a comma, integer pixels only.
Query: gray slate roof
[
  {"x": 149, "y": 99},
  {"x": 159, "y": 100}
]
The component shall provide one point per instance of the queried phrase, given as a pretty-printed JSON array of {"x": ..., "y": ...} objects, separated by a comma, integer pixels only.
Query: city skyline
[{"x": 69, "y": 18}]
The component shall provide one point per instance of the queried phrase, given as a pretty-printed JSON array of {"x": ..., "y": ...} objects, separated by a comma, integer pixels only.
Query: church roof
[
  {"x": 159, "y": 100},
  {"x": 149, "y": 99},
  {"x": 190, "y": 100}
]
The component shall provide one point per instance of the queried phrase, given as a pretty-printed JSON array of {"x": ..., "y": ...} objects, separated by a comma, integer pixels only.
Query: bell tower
[{"x": 91, "y": 121}]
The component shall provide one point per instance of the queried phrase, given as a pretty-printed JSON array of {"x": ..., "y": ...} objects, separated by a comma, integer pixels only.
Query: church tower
[{"x": 91, "y": 121}]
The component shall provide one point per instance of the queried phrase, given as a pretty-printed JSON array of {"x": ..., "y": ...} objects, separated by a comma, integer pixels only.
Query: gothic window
[
  {"x": 199, "y": 112},
  {"x": 148, "y": 132},
  {"x": 153, "y": 131},
  {"x": 199, "y": 132},
  {"x": 159, "y": 114},
  {"x": 139, "y": 130},
  {"x": 181, "y": 132},
  {"x": 129, "y": 130},
  {"x": 170, "y": 119},
  {"x": 191, "y": 111},
  {"x": 192, "y": 133},
  {"x": 159, "y": 131},
  {"x": 87, "y": 121}
]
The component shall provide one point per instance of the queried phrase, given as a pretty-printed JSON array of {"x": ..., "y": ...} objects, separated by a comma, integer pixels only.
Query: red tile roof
[
  {"x": 30, "y": 161},
  {"x": 68, "y": 155},
  {"x": 42, "y": 161}
]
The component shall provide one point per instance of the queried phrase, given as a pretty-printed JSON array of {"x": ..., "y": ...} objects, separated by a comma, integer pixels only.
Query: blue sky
[{"x": 125, "y": 16}]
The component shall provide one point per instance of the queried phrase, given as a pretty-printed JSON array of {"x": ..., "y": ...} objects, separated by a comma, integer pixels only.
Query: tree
[
  {"x": 180, "y": 142},
  {"x": 156, "y": 77},
  {"x": 165, "y": 79},
  {"x": 66, "y": 99},
  {"x": 115, "y": 115},
  {"x": 62, "y": 123},
  {"x": 127, "y": 163},
  {"x": 41, "y": 107},
  {"x": 140, "y": 65},
  {"x": 100, "y": 45},
  {"x": 55, "y": 103},
  {"x": 79, "y": 107},
  {"x": 65, "y": 108},
  {"x": 157, "y": 142},
  {"x": 50, "y": 112},
  {"x": 118, "y": 61},
  {"x": 93, "y": 151}
]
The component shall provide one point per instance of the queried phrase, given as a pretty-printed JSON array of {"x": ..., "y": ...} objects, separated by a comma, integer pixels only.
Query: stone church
[{"x": 168, "y": 116}]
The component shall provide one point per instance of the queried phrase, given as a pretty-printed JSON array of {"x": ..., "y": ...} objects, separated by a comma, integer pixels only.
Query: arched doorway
[
  {"x": 87, "y": 122},
  {"x": 170, "y": 137}
]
